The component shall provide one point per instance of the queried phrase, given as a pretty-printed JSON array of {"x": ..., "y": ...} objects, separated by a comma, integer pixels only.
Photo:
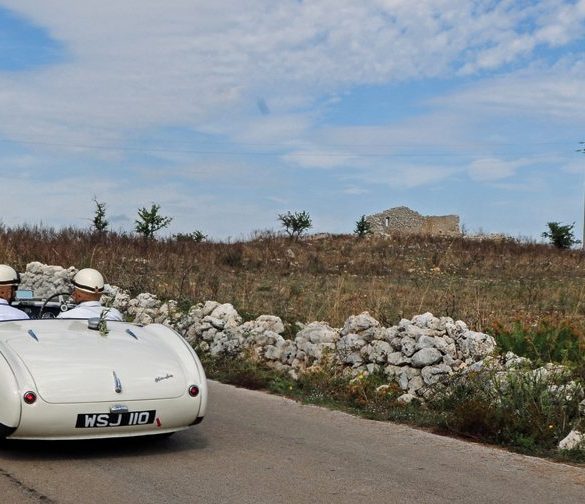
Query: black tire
[{"x": 5, "y": 431}]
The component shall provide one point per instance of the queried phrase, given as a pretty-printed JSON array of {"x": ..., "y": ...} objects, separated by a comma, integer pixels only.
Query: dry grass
[
  {"x": 529, "y": 295},
  {"x": 486, "y": 283}
]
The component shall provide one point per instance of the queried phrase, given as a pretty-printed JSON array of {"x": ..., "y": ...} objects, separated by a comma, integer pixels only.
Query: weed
[
  {"x": 522, "y": 409},
  {"x": 491, "y": 284},
  {"x": 546, "y": 340}
]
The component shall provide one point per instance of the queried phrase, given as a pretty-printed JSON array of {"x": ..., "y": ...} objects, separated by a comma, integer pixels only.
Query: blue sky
[{"x": 229, "y": 112}]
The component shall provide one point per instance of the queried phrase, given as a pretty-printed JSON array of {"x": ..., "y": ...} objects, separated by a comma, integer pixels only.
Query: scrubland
[
  {"x": 529, "y": 296},
  {"x": 488, "y": 283}
]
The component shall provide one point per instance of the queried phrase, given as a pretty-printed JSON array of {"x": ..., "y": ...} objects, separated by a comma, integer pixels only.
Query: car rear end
[{"x": 74, "y": 382}]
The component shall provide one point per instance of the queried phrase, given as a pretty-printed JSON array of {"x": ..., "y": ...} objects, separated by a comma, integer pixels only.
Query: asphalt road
[{"x": 256, "y": 448}]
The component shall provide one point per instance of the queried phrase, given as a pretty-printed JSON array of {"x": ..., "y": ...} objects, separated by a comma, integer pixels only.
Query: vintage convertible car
[{"x": 80, "y": 379}]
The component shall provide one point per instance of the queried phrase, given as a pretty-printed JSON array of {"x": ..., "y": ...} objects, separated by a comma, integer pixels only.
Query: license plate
[{"x": 92, "y": 420}]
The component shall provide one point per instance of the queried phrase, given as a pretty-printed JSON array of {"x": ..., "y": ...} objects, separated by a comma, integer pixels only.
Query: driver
[
  {"x": 88, "y": 286},
  {"x": 9, "y": 280}
]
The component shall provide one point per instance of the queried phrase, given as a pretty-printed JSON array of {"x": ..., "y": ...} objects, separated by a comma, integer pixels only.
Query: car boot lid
[{"x": 72, "y": 363}]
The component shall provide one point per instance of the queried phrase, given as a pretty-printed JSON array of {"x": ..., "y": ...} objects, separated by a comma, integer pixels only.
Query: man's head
[
  {"x": 9, "y": 280},
  {"x": 88, "y": 285}
]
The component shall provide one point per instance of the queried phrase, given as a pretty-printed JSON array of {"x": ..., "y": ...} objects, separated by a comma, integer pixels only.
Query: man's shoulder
[
  {"x": 12, "y": 313},
  {"x": 114, "y": 314},
  {"x": 90, "y": 304},
  {"x": 83, "y": 310},
  {"x": 77, "y": 311},
  {"x": 9, "y": 308}
]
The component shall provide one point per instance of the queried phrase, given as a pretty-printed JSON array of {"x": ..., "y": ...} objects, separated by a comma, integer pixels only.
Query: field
[{"x": 487, "y": 283}]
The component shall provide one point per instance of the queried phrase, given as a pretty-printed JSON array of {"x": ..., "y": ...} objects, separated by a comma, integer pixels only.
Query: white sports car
[{"x": 75, "y": 379}]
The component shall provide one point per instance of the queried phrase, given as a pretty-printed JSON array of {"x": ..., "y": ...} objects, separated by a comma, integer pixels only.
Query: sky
[{"x": 227, "y": 113}]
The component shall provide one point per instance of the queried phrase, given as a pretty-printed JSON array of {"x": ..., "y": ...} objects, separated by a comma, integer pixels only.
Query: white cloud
[
  {"x": 488, "y": 170},
  {"x": 355, "y": 191},
  {"x": 315, "y": 157},
  {"x": 576, "y": 167},
  {"x": 554, "y": 92},
  {"x": 403, "y": 175},
  {"x": 264, "y": 133},
  {"x": 136, "y": 63}
]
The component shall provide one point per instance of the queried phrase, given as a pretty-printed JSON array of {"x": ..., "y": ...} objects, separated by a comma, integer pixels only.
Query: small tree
[
  {"x": 195, "y": 236},
  {"x": 561, "y": 236},
  {"x": 150, "y": 221},
  {"x": 99, "y": 222},
  {"x": 363, "y": 227},
  {"x": 295, "y": 224}
]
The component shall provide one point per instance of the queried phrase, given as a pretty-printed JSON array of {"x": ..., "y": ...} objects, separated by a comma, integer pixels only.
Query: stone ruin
[{"x": 404, "y": 220}]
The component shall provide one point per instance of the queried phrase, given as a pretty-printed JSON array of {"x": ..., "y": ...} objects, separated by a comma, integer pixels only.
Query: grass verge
[{"x": 520, "y": 414}]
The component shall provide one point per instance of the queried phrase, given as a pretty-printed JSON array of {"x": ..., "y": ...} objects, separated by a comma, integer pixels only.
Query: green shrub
[
  {"x": 363, "y": 227},
  {"x": 295, "y": 224},
  {"x": 520, "y": 408},
  {"x": 545, "y": 342},
  {"x": 561, "y": 236},
  {"x": 244, "y": 373},
  {"x": 150, "y": 221},
  {"x": 196, "y": 236},
  {"x": 99, "y": 221}
]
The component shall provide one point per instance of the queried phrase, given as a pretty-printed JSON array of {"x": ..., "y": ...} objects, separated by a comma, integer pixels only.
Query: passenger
[
  {"x": 88, "y": 286},
  {"x": 9, "y": 280}
]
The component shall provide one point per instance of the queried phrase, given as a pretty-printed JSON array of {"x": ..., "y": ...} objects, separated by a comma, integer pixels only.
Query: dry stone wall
[{"x": 418, "y": 354}]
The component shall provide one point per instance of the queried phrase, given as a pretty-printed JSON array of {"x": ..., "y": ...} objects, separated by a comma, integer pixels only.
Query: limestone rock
[
  {"x": 408, "y": 346},
  {"x": 406, "y": 398},
  {"x": 317, "y": 332},
  {"x": 377, "y": 351},
  {"x": 433, "y": 374},
  {"x": 398, "y": 359},
  {"x": 574, "y": 439},
  {"x": 476, "y": 345},
  {"x": 348, "y": 348},
  {"x": 426, "y": 357},
  {"x": 363, "y": 324},
  {"x": 45, "y": 280}
]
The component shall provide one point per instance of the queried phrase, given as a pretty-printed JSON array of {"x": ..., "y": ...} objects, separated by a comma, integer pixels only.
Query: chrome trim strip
[
  {"x": 119, "y": 408},
  {"x": 131, "y": 334},
  {"x": 117, "y": 383}
]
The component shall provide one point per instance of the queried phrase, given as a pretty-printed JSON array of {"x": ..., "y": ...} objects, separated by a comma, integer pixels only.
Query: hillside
[{"x": 491, "y": 284}]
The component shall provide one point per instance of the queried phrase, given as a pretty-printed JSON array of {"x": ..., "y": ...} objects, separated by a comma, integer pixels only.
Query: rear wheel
[{"x": 5, "y": 431}]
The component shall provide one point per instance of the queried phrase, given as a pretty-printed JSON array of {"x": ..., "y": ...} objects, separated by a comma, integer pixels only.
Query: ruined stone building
[{"x": 403, "y": 219}]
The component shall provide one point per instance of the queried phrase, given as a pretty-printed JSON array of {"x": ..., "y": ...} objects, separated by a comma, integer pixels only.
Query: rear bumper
[{"x": 47, "y": 421}]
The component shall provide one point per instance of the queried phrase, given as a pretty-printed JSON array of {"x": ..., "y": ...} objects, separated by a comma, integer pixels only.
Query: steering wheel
[{"x": 65, "y": 302}]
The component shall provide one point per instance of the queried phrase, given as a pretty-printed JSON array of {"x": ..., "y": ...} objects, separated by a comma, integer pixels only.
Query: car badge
[
  {"x": 117, "y": 383},
  {"x": 161, "y": 378}
]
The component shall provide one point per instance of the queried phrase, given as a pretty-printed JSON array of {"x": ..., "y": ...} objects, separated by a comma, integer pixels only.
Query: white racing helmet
[
  {"x": 89, "y": 280},
  {"x": 8, "y": 276}
]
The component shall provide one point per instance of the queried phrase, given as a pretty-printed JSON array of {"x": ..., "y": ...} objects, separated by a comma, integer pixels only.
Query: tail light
[
  {"x": 29, "y": 397},
  {"x": 193, "y": 390}
]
